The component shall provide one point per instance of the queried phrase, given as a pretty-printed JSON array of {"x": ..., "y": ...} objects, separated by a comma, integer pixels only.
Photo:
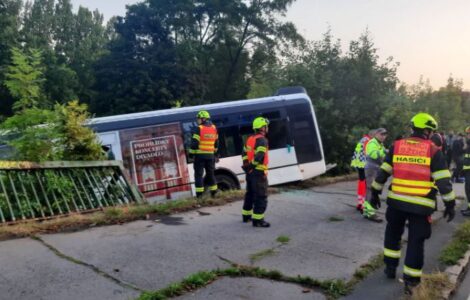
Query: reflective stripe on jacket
[
  {"x": 256, "y": 152},
  {"x": 208, "y": 136},
  {"x": 413, "y": 162},
  {"x": 375, "y": 153},
  {"x": 359, "y": 156},
  {"x": 412, "y": 167}
]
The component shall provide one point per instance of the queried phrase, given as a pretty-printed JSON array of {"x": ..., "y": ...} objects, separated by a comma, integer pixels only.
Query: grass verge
[
  {"x": 459, "y": 245},
  {"x": 333, "y": 289},
  {"x": 113, "y": 215},
  {"x": 431, "y": 286}
]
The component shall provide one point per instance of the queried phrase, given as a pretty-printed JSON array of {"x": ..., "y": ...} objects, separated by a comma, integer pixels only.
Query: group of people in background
[
  {"x": 370, "y": 152},
  {"x": 420, "y": 166}
]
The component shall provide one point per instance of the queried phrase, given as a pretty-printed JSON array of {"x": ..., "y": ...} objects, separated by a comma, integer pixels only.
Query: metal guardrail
[{"x": 50, "y": 189}]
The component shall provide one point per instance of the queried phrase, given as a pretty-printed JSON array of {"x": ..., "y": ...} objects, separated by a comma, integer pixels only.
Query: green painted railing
[{"x": 50, "y": 189}]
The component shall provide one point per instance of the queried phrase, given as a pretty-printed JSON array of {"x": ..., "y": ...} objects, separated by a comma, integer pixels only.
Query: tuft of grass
[
  {"x": 364, "y": 270},
  {"x": 431, "y": 286},
  {"x": 112, "y": 213},
  {"x": 188, "y": 284},
  {"x": 459, "y": 245},
  {"x": 335, "y": 219},
  {"x": 261, "y": 254},
  {"x": 335, "y": 288},
  {"x": 283, "y": 239},
  {"x": 198, "y": 280}
]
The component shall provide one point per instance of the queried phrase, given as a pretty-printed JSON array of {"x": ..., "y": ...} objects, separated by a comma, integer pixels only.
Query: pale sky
[{"x": 427, "y": 37}]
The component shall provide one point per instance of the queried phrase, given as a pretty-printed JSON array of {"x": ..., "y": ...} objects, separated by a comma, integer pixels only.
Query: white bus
[{"x": 153, "y": 145}]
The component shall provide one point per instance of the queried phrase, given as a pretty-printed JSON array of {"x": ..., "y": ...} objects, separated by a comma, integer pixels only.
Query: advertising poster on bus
[{"x": 155, "y": 157}]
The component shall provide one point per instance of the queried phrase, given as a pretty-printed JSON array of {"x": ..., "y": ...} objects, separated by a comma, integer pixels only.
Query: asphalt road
[{"x": 328, "y": 240}]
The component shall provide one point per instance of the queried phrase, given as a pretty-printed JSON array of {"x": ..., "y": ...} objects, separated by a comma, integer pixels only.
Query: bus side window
[
  {"x": 304, "y": 134},
  {"x": 227, "y": 141},
  {"x": 187, "y": 135},
  {"x": 277, "y": 134},
  {"x": 244, "y": 133}
]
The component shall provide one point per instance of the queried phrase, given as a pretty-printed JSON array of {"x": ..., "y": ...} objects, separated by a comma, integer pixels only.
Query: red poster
[{"x": 155, "y": 157}]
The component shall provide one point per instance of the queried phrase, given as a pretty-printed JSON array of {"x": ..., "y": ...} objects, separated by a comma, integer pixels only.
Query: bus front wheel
[{"x": 226, "y": 182}]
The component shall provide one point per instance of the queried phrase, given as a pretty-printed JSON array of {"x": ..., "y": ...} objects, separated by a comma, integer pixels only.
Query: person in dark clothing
[
  {"x": 204, "y": 145},
  {"x": 449, "y": 140},
  {"x": 255, "y": 164},
  {"x": 444, "y": 144},
  {"x": 457, "y": 156},
  {"x": 466, "y": 171},
  {"x": 438, "y": 140},
  {"x": 416, "y": 165}
]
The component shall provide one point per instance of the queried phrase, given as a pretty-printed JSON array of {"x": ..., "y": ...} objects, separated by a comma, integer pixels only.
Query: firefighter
[
  {"x": 204, "y": 146},
  {"x": 255, "y": 164},
  {"x": 375, "y": 154},
  {"x": 416, "y": 165},
  {"x": 466, "y": 172},
  {"x": 359, "y": 162}
]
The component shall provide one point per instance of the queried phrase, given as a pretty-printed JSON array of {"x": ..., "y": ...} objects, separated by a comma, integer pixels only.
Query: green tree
[
  {"x": 351, "y": 92},
  {"x": 38, "y": 24},
  {"x": 34, "y": 139},
  {"x": 9, "y": 37},
  {"x": 195, "y": 51},
  {"x": 141, "y": 70},
  {"x": 77, "y": 142},
  {"x": 24, "y": 79}
]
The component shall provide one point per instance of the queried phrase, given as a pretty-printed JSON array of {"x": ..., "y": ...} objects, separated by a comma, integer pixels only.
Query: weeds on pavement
[{"x": 459, "y": 245}]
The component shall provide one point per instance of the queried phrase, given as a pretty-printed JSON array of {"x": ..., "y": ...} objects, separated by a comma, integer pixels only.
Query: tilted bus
[{"x": 153, "y": 145}]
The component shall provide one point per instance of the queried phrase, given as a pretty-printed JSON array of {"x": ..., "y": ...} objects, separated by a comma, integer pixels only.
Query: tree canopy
[{"x": 186, "y": 52}]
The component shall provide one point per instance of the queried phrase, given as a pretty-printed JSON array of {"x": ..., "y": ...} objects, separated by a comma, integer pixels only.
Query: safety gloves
[
  {"x": 375, "y": 200},
  {"x": 449, "y": 212}
]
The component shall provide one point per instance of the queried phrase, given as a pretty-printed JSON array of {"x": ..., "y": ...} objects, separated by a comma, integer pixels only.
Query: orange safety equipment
[
  {"x": 412, "y": 179},
  {"x": 251, "y": 151},
  {"x": 207, "y": 137}
]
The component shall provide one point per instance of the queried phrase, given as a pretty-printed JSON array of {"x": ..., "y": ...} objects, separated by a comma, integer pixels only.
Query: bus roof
[{"x": 188, "y": 109}]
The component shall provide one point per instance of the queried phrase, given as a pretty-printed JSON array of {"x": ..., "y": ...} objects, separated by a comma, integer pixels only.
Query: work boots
[
  {"x": 246, "y": 219},
  {"x": 390, "y": 272},
  {"x": 409, "y": 286},
  {"x": 373, "y": 218},
  {"x": 466, "y": 212},
  {"x": 260, "y": 223}
]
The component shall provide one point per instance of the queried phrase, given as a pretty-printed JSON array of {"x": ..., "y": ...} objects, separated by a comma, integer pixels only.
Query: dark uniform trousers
[
  {"x": 256, "y": 196},
  {"x": 419, "y": 230},
  {"x": 467, "y": 186},
  {"x": 361, "y": 173},
  {"x": 201, "y": 163}
]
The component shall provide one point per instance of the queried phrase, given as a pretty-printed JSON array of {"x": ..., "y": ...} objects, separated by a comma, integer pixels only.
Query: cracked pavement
[{"x": 153, "y": 254}]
